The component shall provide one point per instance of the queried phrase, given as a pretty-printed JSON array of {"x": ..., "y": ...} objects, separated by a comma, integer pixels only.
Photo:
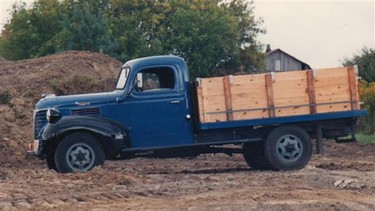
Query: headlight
[{"x": 53, "y": 115}]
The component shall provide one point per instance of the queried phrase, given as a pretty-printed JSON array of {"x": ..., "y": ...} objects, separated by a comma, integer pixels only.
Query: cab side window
[{"x": 156, "y": 79}]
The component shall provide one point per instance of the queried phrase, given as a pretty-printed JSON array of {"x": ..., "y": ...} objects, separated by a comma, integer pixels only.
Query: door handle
[{"x": 175, "y": 101}]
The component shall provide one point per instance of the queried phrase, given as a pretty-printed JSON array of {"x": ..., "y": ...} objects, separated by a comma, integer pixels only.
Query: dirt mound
[{"x": 24, "y": 82}]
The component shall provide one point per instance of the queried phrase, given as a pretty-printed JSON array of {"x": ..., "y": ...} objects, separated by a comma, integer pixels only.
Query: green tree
[
  {"x": 214, "y": 36},
  {"x": 251, "y": 58},
  {"x": 29, "y": 31},
  {"x": 137, "y": 27},
  {"x": 205, "y": 35},
  {"x": 366, "y": 63},
  {"x": 367, "y": 93},
  {"x": 85, "y": 26}
]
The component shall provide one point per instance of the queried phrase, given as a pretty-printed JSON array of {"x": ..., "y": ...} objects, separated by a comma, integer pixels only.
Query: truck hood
[{"x": 77, "y": 100}]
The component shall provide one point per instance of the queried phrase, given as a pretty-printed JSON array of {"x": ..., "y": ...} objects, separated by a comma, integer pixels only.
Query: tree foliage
[
  {"x": 30, "y": 31},
  {"x": 366, "y": 63},
  {"x": 367, "y": 93},
  {"x": 213, "y": 36}
]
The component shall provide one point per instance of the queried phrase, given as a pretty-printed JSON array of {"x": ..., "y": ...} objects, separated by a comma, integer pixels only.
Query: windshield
[{"x": 123, "y": 77}]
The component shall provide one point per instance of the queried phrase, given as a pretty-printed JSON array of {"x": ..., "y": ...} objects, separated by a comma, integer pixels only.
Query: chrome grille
[
  {"x": 39, "y": 121},
  {"x": 86, "y": 111}
]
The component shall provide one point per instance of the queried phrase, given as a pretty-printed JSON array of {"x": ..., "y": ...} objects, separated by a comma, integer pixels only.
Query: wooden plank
[
  {"x": 331, "y": 85},
  {"x": 258, "y": 114},
  {"x": 228, "y": 98},
  {"x": 333, "y": 108},
  {"x": 213, "y": 99},
  {"x": 200, "y": 104},
  {"x": 249, "y": 92},
  {"x": 270, "y": 98},
  {"x": 289, "y": 89},
  {"x": 353, "y": 88},
  {"x": 213, "y": 86},
  {"x": 216, "y": 117},
  {"x": 292, "y": 111},
  {"x": 311, "y": 91},
  {"x": 213, "y": 104}
]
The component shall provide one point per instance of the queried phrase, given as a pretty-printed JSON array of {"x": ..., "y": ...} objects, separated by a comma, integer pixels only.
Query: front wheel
[
  {"x": 78, "y": 152},
  {"x": 288, "y": 148}
]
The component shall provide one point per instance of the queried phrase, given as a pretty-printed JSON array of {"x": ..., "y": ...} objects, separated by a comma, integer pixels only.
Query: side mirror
[{"x": 139, "y": 80}]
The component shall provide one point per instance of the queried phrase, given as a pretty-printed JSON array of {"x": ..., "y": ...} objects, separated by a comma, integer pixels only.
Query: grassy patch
[{"x": 365, "y": 139}]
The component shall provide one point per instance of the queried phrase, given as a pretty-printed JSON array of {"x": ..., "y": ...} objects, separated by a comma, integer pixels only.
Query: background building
[{"x": 278, "y": 60}]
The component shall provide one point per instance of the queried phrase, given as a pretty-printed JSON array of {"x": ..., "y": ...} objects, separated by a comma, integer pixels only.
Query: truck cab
[{"x": 155, "y": 102}]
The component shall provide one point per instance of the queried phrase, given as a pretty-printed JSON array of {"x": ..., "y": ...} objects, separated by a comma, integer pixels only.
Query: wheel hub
[
  {"x": 80, "y": 157},
  {"x": 289, "y": 147}
]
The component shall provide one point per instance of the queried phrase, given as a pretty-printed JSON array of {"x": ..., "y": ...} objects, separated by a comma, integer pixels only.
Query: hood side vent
[{"x": 87, "y": 112}]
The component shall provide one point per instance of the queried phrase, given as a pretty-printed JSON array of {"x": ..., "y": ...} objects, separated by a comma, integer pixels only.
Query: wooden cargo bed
[{"x": 281, "y": 94}]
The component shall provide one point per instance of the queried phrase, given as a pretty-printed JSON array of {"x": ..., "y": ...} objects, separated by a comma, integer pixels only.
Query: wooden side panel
[
  {"x": 331, "y": 88},
  {"x": 286, "y": 94},
  {"x": 290, "y": 93},
  {"x": 249, "y": 92},
  {"x": 214, "y": 99}
]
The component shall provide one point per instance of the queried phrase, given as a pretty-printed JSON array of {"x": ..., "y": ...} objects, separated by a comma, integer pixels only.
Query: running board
[{"x": 347, "y": 140}]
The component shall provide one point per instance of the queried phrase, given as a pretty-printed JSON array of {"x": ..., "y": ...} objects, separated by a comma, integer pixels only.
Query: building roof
[{"x": 276, "y": 50}]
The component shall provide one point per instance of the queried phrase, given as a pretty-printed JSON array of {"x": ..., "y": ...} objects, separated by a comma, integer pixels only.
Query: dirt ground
[{"x": 342, "y": 179}]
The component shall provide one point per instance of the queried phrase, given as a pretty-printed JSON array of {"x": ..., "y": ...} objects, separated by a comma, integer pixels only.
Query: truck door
[{"x": 157, "y": 109}]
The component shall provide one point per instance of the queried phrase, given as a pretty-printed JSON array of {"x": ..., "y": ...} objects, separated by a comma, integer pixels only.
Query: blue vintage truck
[{"x": 156, "y": 111}]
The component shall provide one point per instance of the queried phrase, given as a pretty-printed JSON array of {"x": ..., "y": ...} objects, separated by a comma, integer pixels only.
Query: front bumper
[{"x": 35, "y": 149}]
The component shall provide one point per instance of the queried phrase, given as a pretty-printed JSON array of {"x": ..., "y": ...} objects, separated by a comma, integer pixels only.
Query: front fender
[{"x": 111, "y": 134}]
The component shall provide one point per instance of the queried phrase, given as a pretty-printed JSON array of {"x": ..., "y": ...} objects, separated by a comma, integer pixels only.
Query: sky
[{"x": 321, "y": 33}]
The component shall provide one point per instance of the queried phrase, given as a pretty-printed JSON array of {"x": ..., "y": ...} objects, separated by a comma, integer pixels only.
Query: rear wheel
[
  {"x": 78, "y": 152},
  {"x": 288, "y": 148},
  {"x": 255, "y": 157}
]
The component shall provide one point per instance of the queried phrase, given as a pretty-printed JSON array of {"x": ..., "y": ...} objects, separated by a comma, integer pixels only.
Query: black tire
[
  {"x": 288, "y": 148},
  {"x": 50, "y": 157},
  {"x": 78, "y": 152},
  {"x": 51, "y": 162},
  {"x": 255, "y": 157}
]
